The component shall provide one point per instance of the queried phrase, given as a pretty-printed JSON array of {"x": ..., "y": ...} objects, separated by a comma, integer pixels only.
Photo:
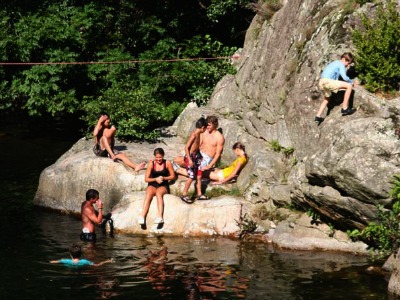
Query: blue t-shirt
[
  {"x": 70, "y": 262},
  {"x": 334, "y": 69}
]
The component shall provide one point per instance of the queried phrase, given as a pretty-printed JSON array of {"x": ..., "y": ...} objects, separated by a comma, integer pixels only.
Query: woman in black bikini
[{"x": 159, "y": 171}]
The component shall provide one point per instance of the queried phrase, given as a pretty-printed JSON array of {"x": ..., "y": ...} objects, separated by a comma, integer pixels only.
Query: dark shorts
[
  {"x": 88, "y": 237},
  {"x": 196, "y": 159},
  {"x": 157, "y": 185},
  {"x": 102, "y": 152}
]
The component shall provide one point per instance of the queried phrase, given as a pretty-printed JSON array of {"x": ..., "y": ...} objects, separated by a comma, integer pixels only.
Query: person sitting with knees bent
[
  {"x": 159, "y": 171},
  {"x": 220, "y": 176},
  {"x": 104, "y": 139}
]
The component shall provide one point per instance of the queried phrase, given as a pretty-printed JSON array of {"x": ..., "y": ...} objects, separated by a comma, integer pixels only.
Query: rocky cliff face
[{"x": 340, "y": 169}]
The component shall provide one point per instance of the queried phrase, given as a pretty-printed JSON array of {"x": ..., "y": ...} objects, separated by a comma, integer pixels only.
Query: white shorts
[{"x": 206, "y": 160}]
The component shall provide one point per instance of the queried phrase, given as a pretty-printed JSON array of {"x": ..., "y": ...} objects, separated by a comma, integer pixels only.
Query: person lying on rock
[
  {"x": 104, "y": 139},
  {"x": 230, "y": 173},
  {"x": 158, "y": 173},
  {"x": 75, "y": 252}
]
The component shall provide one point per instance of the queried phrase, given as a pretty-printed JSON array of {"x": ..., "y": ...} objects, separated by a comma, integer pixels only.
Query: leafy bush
[
  {"x": 134, "y": 112},
  {"x": 384, "y": 234},
  {"x": 377, "y": 49},
  {"x": 142, "y": 97},
  {"x": 138, "y": 96}
]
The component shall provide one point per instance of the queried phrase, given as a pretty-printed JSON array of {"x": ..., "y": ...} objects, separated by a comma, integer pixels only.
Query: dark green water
[{"x": 207, "y": 268}]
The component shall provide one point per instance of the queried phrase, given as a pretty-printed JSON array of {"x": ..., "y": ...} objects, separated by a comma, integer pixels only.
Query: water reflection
[{"x": 175, "y": 268}]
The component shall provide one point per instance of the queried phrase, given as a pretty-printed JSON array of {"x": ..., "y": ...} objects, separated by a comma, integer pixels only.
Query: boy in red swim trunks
[{"x": 192, "y": 158}]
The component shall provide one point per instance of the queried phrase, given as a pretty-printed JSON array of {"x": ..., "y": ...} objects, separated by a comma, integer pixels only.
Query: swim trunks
[
  {"x": 196, "y": 158},
  {"x": 88, "y": 236},
  {"x": 102, "y": 152},
  {"x": 206, "y": 160}
]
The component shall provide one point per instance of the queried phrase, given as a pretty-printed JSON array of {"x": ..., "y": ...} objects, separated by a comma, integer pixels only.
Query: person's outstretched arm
[
  {"x": 54, "y": 261},
  {"x": 104, "y": 262}
]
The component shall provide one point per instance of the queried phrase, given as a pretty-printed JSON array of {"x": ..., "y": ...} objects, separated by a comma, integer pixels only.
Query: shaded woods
[{"x": 139, "y": 96}]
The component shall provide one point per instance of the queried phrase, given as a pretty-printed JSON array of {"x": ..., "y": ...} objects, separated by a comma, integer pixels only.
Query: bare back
[
  {"x": 87, "y": 211},
  {"x": 194, "y": 141}
]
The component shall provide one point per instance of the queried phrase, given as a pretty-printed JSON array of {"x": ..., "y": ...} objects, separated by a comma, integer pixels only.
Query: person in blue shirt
[
  {"x": 75, "y": 251},
  {"x": 329, "y": 83}
]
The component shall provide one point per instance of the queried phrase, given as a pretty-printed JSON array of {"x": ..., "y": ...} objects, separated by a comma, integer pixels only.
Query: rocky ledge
[{"x": 62, "y": 186}]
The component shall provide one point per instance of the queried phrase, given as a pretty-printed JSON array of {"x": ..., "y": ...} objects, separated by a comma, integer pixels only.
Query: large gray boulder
[
  {"x": 63, "y": 185},
  {"x": 339, "y": 170},
  {"x": 218, "y": 216}
]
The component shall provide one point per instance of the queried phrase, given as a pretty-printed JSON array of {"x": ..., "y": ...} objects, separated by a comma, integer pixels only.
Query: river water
[{"x": 147, "y": 267}]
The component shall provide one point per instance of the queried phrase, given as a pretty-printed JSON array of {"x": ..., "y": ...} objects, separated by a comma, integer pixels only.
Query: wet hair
[
  {"x": 239, "y": 145},
  {"x": 347, "y": 56},
  {"x": 213, "y": 120},
  {"x": 200, "y": 123},
  {"x": 75, "y": 251},
  {"x": 159, "y": 151},
  {"x": 90, "y": 194}
]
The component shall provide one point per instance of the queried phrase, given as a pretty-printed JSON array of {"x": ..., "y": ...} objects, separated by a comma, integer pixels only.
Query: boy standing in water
[
  {"x": 91, "y": 217},
  {"x": 330, "y": 83}
]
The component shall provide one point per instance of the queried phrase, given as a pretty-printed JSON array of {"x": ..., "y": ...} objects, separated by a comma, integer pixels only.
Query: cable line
[{"x": 114, "y": 62}]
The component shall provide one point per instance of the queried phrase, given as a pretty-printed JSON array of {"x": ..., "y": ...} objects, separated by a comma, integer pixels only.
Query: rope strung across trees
[{"x": 116, "y": 62}]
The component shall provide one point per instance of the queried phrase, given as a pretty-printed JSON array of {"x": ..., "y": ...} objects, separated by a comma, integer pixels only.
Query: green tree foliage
[
  {"x": 378, "y": 49},
  {"x": 139, "y": 96},
  {"x": 383, "y": 235}
]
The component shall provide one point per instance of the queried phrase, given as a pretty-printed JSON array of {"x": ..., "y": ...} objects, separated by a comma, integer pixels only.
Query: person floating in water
[
  {"x": 104, "y": 139},
  {"x": 75, "y": 252}
]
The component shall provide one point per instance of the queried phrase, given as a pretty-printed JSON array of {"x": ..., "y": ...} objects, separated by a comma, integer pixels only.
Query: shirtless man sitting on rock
[
  {"x": 104, "y": 138},
  {"x": 211, "y": 145}
]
